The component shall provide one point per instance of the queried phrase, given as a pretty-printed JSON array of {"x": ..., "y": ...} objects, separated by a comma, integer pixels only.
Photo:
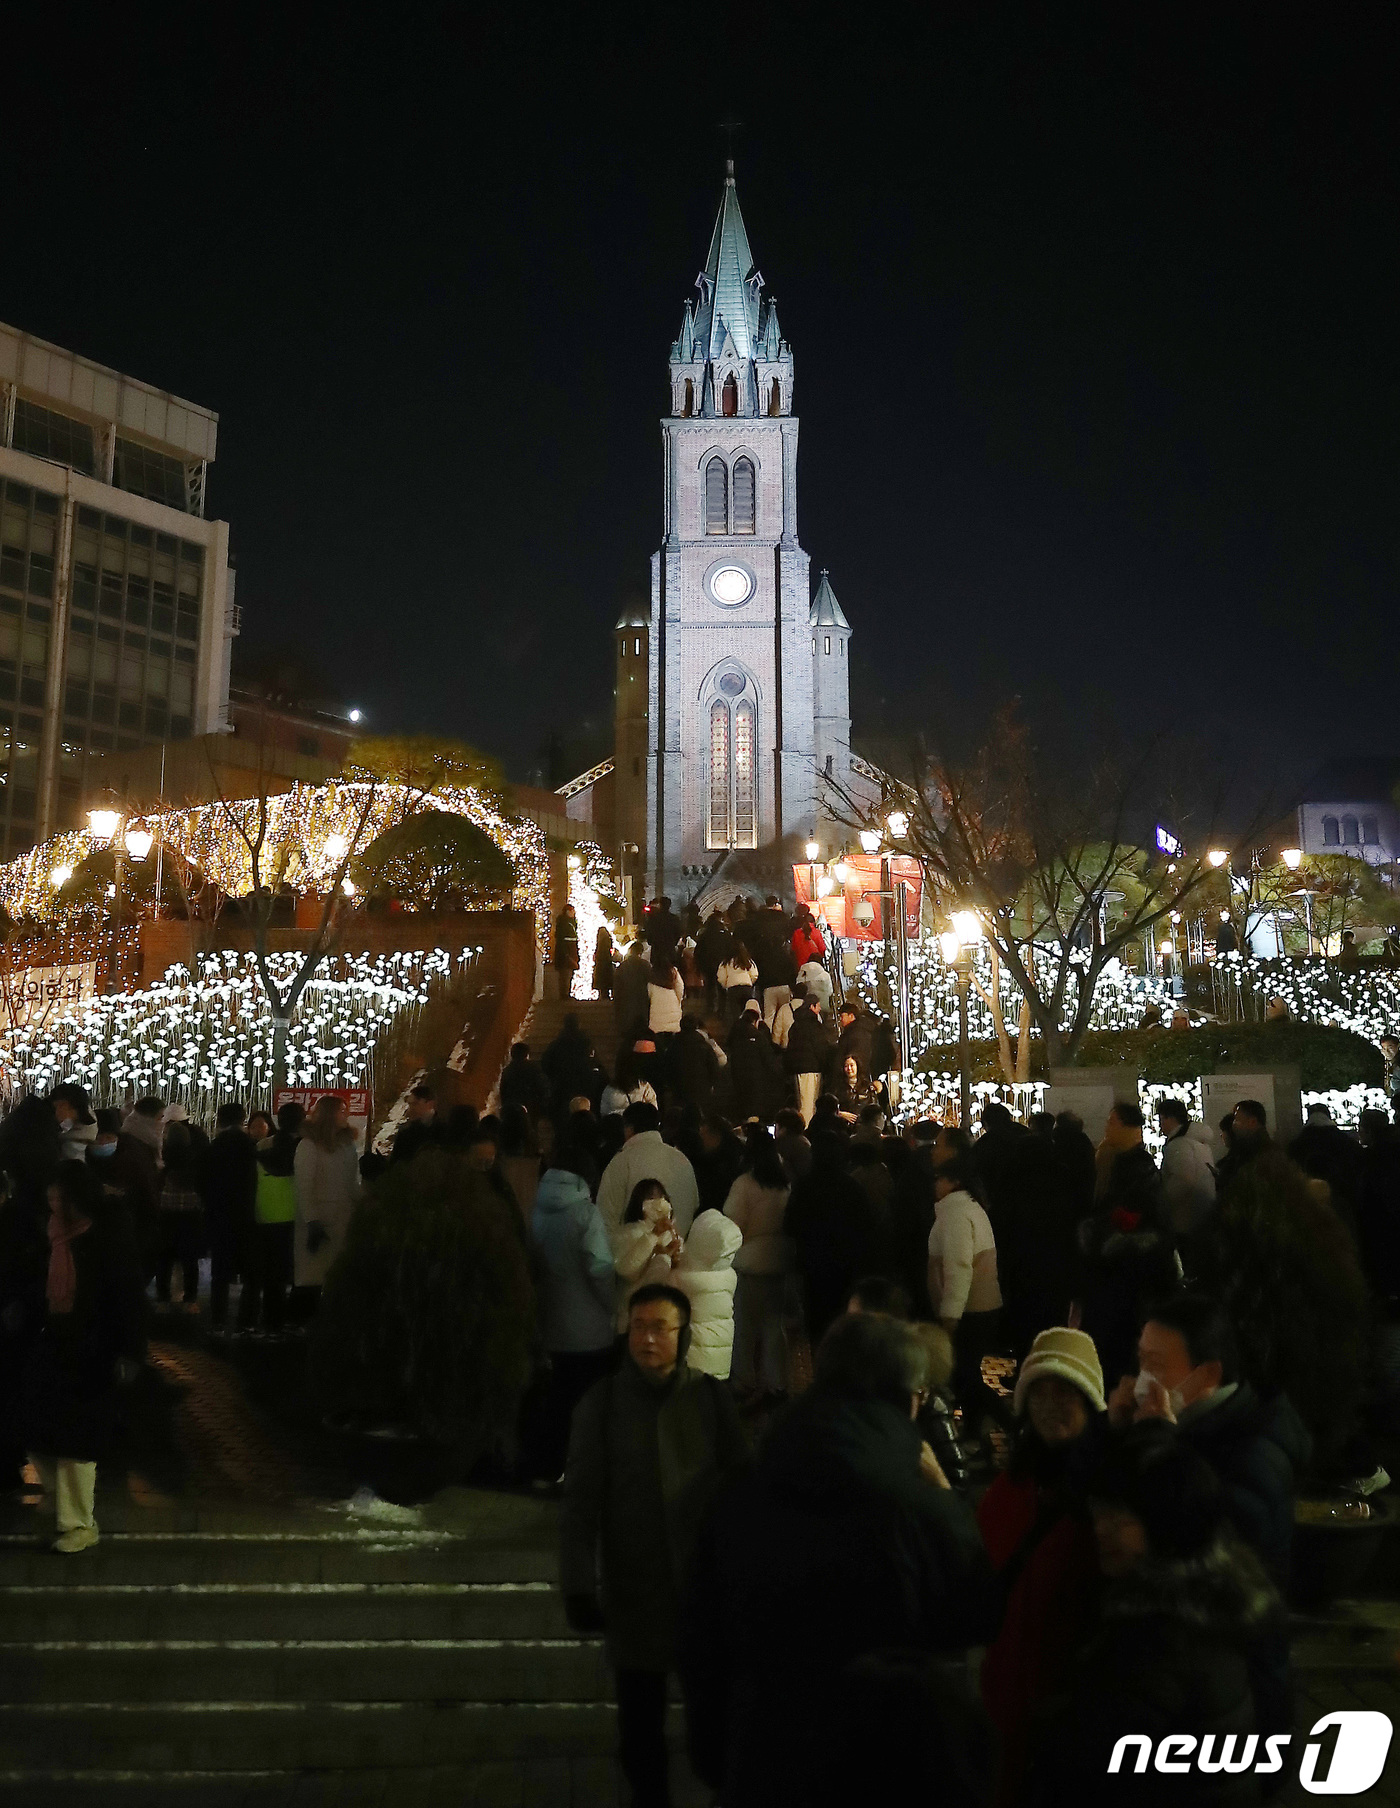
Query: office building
[{"x": 117, "y": 609}]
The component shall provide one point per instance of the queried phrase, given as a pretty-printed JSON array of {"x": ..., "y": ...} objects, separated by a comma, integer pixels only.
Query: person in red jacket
[
  {"x": 808, "y": 943},
  {"x": 1040, "y": 1539}
]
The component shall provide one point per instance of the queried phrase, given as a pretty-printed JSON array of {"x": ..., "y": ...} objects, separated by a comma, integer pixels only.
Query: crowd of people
[{"x": 789, "y": 1473}]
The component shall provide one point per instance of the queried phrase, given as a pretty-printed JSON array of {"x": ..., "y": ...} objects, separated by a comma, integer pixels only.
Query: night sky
[{"x": 1093, "y": 315}]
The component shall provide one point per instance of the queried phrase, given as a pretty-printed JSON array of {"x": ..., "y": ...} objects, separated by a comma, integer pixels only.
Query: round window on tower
[{"x": 730, "y": 584}]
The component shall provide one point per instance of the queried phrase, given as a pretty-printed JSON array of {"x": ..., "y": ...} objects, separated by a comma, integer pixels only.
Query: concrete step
[
  {"x": 195, "y": 1557},
  {"x": 588, "y": 1782},
  {"x": 294, "y": 1610},
  {"x": 271, "y": 1735},
  {"x": 53, "y": 1671}
]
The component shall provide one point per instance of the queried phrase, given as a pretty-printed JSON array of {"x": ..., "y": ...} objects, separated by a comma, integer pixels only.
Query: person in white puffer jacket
[
  {"x": 646, "y": 1245},
  {"x": 705, "y": 1273}
]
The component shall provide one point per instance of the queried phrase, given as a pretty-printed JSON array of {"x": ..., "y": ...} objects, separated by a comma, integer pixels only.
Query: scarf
[{"x": 63, "y": 1275}]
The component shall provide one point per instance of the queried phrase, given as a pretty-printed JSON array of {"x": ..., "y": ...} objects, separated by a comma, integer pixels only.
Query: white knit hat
[{"x": 1070, "y": 1355}]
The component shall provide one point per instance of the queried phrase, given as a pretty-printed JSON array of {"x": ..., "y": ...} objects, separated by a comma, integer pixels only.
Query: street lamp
[
  {"x": 897, "y": 822},
  {"x": 1293, "y": 858},
  {"x": 1217, "y": 856},
  {"x": 870, "y": 840},
  {"x": 957, "y": 954},
  {"x": 812, "y": 850},
  {"x": 105, "y": 826},
  {"x": 138, "y": 842}
]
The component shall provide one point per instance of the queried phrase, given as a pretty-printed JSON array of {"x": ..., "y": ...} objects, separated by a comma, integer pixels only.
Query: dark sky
[{"x": 1093, "y": 313}]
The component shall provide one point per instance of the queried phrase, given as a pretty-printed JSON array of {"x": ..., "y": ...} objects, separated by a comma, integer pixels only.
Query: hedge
[{"x": 1327, "y": 1058}]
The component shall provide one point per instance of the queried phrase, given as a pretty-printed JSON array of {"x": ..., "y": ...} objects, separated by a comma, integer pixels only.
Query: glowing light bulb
[
  {"x": 335, "y": 847},
  {"x": 138, "y": 843},
  {"x": 950, "y": 945},
  {"x": 1293, "y": 858},
  {"x": 897, "y": 822},
  {"x": 1217, "y": 856},
  {"x": 968, "y": 925},
  {"x": 104, "y": 823},
  {"x": 60, "y": 876},
  {"x": 870, "y": 840}
]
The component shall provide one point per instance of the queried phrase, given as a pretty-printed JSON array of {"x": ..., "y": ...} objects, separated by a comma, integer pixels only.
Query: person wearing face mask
[
  {"x": 1035, "y": 1523},
  {"x": 1188, "y": 1377},
  {"x": 650, "y": 1447},
  {"x": 126, "y": 1172}
]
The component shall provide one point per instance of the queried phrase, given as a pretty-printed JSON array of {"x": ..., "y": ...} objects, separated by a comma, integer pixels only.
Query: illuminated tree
[
  {"x": 435, "y": 857},
  {"x": 1036, "y": 857}
]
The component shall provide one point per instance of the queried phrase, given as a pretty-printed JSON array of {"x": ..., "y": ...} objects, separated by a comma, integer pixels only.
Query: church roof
[
  {"x": 729, "y": 283},
  {"x": 634, "y": 615},
  {"x": 826, "y": 611}
]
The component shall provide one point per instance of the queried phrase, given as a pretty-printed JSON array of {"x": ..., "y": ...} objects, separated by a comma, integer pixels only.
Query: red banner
[
  {"x": 863, "y": 879},
  {"x": 357, "y": 1103}
]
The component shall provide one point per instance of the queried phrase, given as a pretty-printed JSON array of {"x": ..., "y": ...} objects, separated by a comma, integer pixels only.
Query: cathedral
[{"x": 732, "y": 699}]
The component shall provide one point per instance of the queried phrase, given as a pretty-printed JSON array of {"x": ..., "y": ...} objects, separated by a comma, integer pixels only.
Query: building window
[
  {"x": 1351, "y": 834},
  {"x": 1370, "y": 831},
  {"x": 688, "y": 407},
  {"x": 743, "y": 775},
  {"x": 637, "y": 647},
  {"x": 1330, "y": 836},
  {"x": 775, "y": 397},
  {"x": 143, "y": 472},
  {"x": 733, "y": 717},
  {"x": 719, "y": 774},
  {"x": 716, "y": 498},
  {"x": 743, "y": 497},
  {"x": 44, "y": 434},
  {"x": 827, "y": 648},
  {"x": 729, "y": 396}
]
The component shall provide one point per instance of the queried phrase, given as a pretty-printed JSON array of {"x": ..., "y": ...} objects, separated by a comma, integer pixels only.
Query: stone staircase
[
  {"x": 595, "y": 1016},
  {"x": 297, "y": 1667}
]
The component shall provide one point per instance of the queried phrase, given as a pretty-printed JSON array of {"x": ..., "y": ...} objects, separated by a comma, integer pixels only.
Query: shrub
[
  {"x": 428, "y": 1314},
  {"x": 1327, "y": 1058}
]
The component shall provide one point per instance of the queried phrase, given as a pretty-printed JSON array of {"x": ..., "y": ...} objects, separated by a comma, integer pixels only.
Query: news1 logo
[{"x": 1358, "y": 1753}]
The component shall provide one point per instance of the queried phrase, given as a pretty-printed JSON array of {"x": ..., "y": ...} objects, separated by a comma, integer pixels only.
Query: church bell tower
[{"x": 733, "y": 675}]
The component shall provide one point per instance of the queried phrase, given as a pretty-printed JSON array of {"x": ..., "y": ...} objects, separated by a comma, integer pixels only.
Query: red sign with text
[
  {"x": 863, "y": 879},
  {"x": 357, "y": 1104}
]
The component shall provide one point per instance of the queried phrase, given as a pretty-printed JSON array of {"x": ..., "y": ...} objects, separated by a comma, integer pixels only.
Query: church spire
[{"x": 729, "y": 283}]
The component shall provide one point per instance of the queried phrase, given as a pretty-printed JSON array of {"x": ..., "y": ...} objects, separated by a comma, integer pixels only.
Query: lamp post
[
  {"x": 813, "y": 853},
  {"x": 959, "y": 957},
  {"x": 106, "y": 826},
  {"x": 1293, "y": 860}
]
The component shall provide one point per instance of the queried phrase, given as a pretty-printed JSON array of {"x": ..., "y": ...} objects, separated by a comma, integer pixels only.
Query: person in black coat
[
  {"x": 523, "y": 1083},
  {"x": 1182, "y": 1607},
  {"x": 692, "y": 1067},
  {"x": 661, "y": 929},
  {"x": 1378, "y": 1225},
  {"x": 24, "y": 1262},
  {"x": 570, "y": 1067},
  {"x": 1129, "y": 1256},
  {"x": 712, "y": 948},
  {"x": 755, "y": 1069},
  {"x": 838, "y": 1238},
  {"x": 230, "y": 1189},
  {"x": 92, "y": 1342},
  {"x": 824, "y": 1585}
]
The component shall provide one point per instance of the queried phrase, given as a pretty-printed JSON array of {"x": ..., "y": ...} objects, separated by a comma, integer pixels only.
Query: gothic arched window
[
  {"x": 775, "y": 397},
  {"x": 719, "y": 774},
  {"x": 729, "y": 396},
  {"x": 716, "y": 499},
  {"x": 689, "y": 406},
  {"x": 743, "y": 497},
  {"x": 732, "y": 722},
  {"x": 1330, "y": 835}
]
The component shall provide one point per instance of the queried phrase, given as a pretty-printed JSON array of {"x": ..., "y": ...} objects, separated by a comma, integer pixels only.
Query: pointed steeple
[
  {"x": 729, "y": 283},
  {"x": 772, "y": 333},
  {"x": 684, "y": 348},
  {"x": 826, "y": 612}
]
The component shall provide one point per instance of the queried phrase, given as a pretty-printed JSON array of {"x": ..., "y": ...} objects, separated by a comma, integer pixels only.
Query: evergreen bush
[
  {"x": 1327, "y": 1058},
  {"x": 428, "y": 1315}
]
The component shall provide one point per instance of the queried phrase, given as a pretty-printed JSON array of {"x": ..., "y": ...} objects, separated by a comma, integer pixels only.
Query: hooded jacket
[
  {"x": 832, "y": 1550},
  {"x": 1171, "y": 1655},
  {"x": 577, "y": 1282},
  {"x": 705, "y": 1273}
]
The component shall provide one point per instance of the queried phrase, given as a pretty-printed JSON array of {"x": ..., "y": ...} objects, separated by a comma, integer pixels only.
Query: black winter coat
[
  {"x": 833, "y": 1554},
  {"x": 229, "y": 1187},
  {"x": 631, "y": 1003},
  {"x": 761, "y": 1088},
  {"x": 809, "y": 1047},
  {"x": 69, "y": 1391},
  {"x": 1171, "y": 1655},
  {"x": 694, "y": 1067}
]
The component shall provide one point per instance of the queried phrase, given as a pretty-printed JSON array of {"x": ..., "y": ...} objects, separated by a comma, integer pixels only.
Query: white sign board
[
  {"x": 1221, "y": 1092},
  {"x": 32, "y": 994},
  {"x": 1091, "y": 1103}
]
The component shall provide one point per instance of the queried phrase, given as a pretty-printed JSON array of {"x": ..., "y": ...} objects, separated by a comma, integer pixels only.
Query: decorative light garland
[
  {"x": 299, "y": 824},
  {"x": 206, "y": 1039},
  {"x": 593, "y": 892}
]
